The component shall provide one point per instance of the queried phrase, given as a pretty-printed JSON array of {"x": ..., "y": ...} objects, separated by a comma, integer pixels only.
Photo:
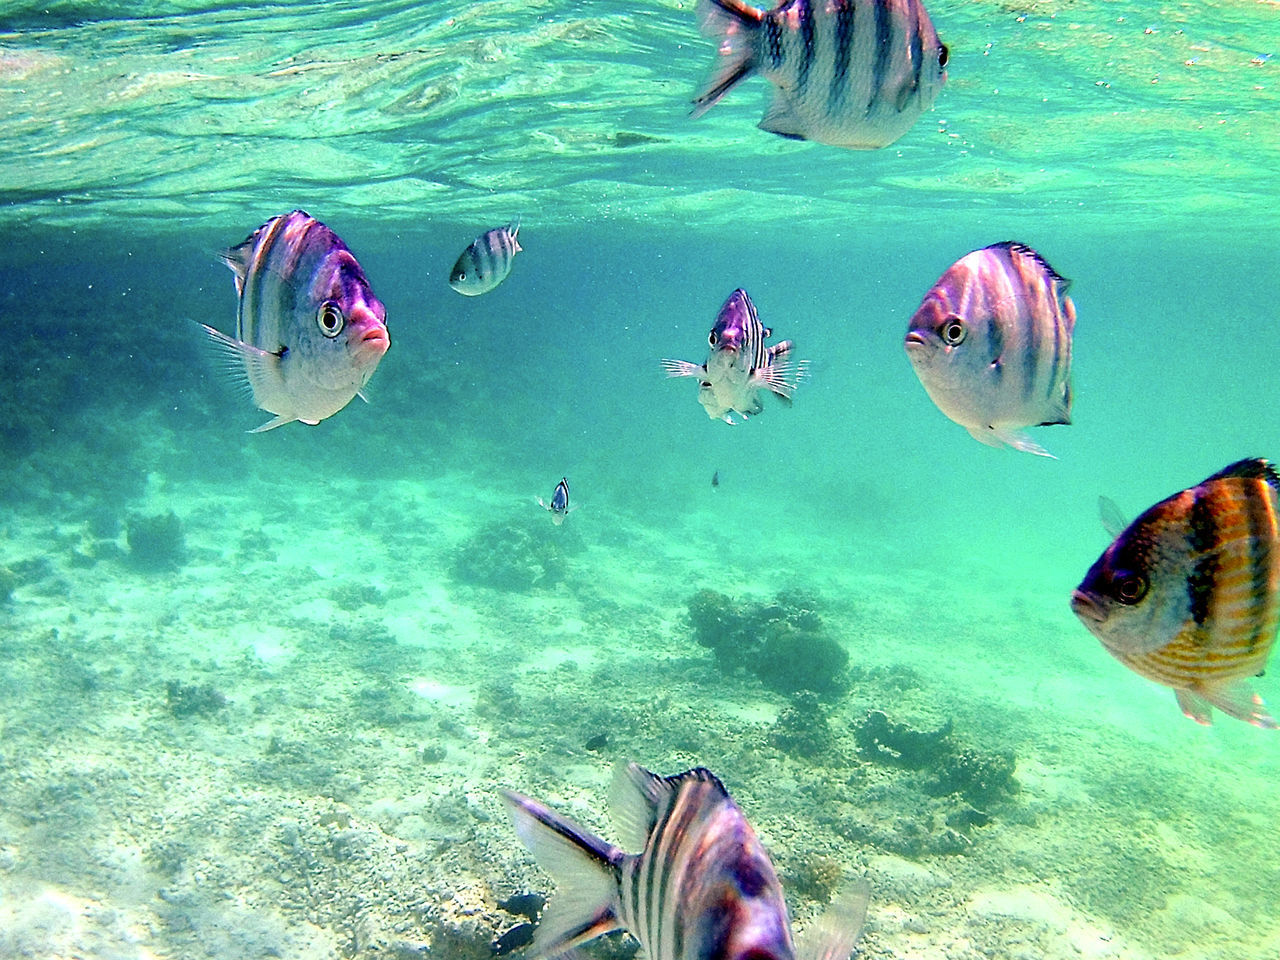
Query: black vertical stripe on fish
[
  {"x": 674, "y": 823},
  {"x": 843, "y": 50},
  {"x": 995, "y": 336},
  {"x": 1261, "y": 519},
  {"x": 773, "y": 39},
  {"x": 1031, "y": 355},
  {"x": 884, "y": 50},
  {"x": 808, "y": 48},
  {"x": 1202, "y": 538},
  {"x": 917, "y": 60}
]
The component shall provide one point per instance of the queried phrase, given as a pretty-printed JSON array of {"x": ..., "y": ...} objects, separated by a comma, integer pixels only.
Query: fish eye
[
  {"x": 706, "y": 384},
  {"x": 943, "y": 54},
  {"x": 712, "y": 339},
  {"x": 1131, "y": 588},
  {"x": 952, "y": 331},
  {"x": 330, "y": 319}
]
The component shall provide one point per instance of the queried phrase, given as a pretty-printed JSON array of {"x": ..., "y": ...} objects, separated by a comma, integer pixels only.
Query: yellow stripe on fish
[{"x": 1188, "y": 595}]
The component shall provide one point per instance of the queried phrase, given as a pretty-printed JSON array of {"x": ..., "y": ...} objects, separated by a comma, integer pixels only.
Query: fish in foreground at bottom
[
  {"x": 559, "y": 505},
  {"x": 309, "y": 331},
  {"x": 991, "y": 344},
  {"x": 739, "y": 365},
  {"x": 701, "y": 887},
  {"x": 1188, "y": 595},
  {"x": 486, "y": 261}
]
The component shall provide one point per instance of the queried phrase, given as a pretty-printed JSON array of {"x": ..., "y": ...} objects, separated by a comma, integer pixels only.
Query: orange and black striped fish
[{"x": 1188, "y": 595}]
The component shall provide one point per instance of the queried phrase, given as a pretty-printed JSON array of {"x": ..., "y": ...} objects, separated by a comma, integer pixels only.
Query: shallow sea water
[{"x": 288, "y": 741}]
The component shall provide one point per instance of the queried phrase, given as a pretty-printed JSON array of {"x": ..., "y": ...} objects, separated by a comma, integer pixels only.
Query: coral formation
[
  {"x": 978, "y": 777},
  {"x": 189, "y": 700},
  {"x": 514, "y": 558},
  {"x": 802, "y": 729},
  {"x": 156, "y": 542},
  {"x": 815, "y": 878},
  {"x": 784, "y": 643}
]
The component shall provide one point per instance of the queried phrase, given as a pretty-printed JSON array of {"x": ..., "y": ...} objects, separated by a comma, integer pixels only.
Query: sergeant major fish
[
  {"x": 487, "y": 261},
  {"x": 991, "y": 343},
  {"x": 1188, "y": 595},
  {"x": 559, "y": 505},
  {"x": 701, "y": 887},
  {"x": 309, "y": 331},
  {"x": 849, "y": 73},
  {"x": 739, "y": 363}
]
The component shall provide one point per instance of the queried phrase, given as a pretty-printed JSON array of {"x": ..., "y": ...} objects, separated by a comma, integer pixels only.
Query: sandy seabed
[{"x": 287, "y": 741}]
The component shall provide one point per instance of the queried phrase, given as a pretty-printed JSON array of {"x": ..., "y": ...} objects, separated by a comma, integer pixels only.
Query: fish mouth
[
  {"x": 915, "y": 340},
  {"x": 373, "y": 339},
  {"x": 1086, "y": 608}
]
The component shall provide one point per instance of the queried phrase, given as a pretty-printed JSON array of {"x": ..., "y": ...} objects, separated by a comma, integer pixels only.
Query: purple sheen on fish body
[
  {"x": 991, "y": 344},
  {"x": 310, "y": 331}
]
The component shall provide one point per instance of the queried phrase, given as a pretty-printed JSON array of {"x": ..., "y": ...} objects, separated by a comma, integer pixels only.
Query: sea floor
[{"x": 286, "y": 738}]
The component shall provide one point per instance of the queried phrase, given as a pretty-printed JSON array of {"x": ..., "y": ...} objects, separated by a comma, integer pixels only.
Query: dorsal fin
[
  {"x": 1015, "y": 248},
  {"x": 238, "y": 259},
  {"x": 1253, "y": 468},
  {"x": 637, "y": 797}
]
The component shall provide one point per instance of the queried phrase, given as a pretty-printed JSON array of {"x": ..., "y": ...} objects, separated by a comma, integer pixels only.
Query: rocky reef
[
  {"x": 156, "y": 543},
  {"x": 516, "y": 557},
  {"x": 977, "y": 776},
  {"x": 785, "y": 643}
]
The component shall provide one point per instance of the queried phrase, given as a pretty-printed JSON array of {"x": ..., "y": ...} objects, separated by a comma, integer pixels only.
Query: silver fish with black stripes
[
  {"x": 309, "y": 331},
  {"x": 486, "y": 261},
  {"x": 848, "y": 73},
  {"x": 740, "y": 364},
  {"x": 701, "y": 887},
  {"x": 991, "y": 343}
]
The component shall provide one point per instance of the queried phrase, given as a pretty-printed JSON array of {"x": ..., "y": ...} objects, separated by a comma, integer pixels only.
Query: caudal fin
[
  {"x": 732, "y": 23},
  {"x": 583, "y": 867},
  {"x": 834, "y": 935}
]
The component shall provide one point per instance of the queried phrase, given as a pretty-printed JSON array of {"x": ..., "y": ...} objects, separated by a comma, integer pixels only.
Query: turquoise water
[{"x": 286, "y": 737}]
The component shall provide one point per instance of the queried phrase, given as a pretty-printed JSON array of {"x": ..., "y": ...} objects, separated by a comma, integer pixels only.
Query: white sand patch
[
  {"x": 1074, "y": 934},
  {"x": 269, "y": 643},
  {"x": 755, "y": 711},
  {"x": 442, "y": 693},
  {"x": 1183, "y": 911},
  {"x": 553, "y": 657}
]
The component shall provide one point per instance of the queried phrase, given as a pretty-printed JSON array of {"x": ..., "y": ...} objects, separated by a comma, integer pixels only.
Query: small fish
[
  {"x": 521, "y": 935},
  {"x": 486, "y": 263},
  {"x": 715, "y": 479},
  {"x": 524, "y": 904},
  {"x": 701, "y": 887},
  {"x": 309, "y": 331},
  {"x": 559, "y": 505},
  {"x": 740, "y": 364},
  {"x": 991, "y": 343},
  {"x": 1188, "y": 595},
  {"x": 848, "y": 73}
]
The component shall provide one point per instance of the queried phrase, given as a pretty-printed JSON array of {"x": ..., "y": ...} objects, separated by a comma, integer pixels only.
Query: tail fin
[
  {"x": 732, "y": 23},
  {"x": 834, "y": 935},
  {"x": 584, "y": 868}
]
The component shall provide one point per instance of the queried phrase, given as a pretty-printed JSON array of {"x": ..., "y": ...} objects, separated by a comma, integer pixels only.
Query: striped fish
[
  {"x": 701, "y": 887},
  {"x": 991, "y": 343},
  {"x": 739, "y": 364},
  {"x": 849, "y": 73},
  {"x": 559, "y": 505},
  {"x": 487, "y": 261},
  {"x": 309, "y": 331},
  {"x": 1188, "y": 595}
]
